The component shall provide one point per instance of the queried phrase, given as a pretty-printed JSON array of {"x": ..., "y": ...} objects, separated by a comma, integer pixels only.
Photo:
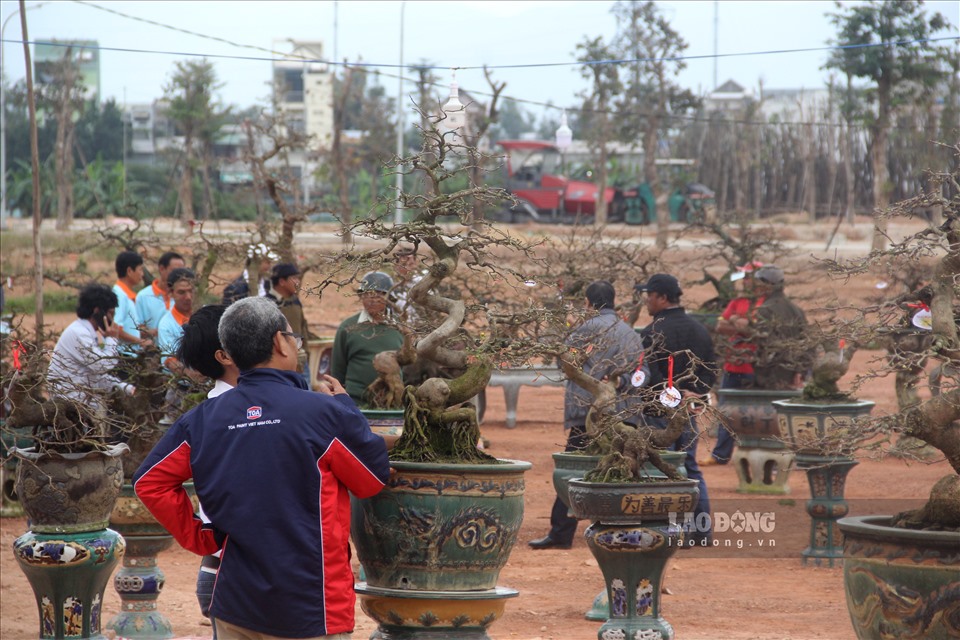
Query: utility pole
[
  {"x": 716, "y": 35},
  {"x": 3, "y": 119},
  {"x": 398, "y": 215}
]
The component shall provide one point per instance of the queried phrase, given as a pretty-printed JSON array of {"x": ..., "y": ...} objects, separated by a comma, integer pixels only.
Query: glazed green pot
[
  {"x": 385, "y": 422},
  {"x": 818, "y": 428},
  {"x": 900, "y": 583},
  {"x": 438, "y": 527}
]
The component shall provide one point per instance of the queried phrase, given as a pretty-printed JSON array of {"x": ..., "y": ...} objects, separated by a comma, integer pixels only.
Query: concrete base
[{"x": 762, "y": 470}]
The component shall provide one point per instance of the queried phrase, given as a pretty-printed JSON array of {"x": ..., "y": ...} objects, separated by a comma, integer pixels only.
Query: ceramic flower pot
[
  {"x": 434, "y": 540},
  {"x": 762, "y": 461},
  {"x": 69, "y": 492},
  {"x": 900, "y": 583},
  {"x": 819, "y": 428},
  {"x": 385, "y": 422}
]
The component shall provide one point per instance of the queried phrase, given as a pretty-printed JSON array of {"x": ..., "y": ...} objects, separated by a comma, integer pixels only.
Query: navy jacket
[
  {"x": 674, "y": 332},
  {"x": 272, "y": 463}
]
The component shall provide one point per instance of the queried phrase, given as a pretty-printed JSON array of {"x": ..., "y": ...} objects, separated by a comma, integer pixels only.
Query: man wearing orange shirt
[
  {"x": 180, "y": 284},
  {"x": 154, "y": 301},
  {"x": 129, "y": 266}
]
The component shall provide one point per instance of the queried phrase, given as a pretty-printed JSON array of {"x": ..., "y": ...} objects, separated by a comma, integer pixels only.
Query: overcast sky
[{"x": 447, "y": 34}]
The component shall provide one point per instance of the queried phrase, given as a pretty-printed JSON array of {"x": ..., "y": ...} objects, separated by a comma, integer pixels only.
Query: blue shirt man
[{"x": 154, "y": 301}]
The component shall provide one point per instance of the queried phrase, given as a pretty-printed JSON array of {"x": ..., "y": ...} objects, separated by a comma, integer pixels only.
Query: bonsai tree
[
  {"x": 59, "y": 424},
  {"x": 936, "y": 420},
  {"x": 732, "y": 241},
  {"x": 624, "y": 449},
  {"x": 459, "y": 335},
  {"x": 478, "y": 315}
]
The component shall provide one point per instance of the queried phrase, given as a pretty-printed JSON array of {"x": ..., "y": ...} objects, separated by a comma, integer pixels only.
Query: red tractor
[{"x": 533, "y": 174}]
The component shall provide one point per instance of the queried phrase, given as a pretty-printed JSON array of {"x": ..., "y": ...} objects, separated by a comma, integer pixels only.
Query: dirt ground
[
  {"x": 722, "y": 594},
  {"x": 717, "y": 594}
]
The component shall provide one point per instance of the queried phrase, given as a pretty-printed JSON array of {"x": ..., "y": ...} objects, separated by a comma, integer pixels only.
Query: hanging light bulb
[
  {"x": 564, "y": 134},
  {"x": 454, "y": 111}
]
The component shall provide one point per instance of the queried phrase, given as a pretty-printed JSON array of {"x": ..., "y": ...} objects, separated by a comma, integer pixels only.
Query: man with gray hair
[{"x": 273, "y": 463}]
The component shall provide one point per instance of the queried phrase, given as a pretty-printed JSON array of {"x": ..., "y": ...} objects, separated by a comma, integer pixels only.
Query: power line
[
  {"x": 375, "y": 67},
  {"x": 380, "y": 65},
  {"x": 371, "y": 68}
]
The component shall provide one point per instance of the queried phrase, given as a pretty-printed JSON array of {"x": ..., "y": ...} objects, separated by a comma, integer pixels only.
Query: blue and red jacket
[{"x": 272, "y": 463}]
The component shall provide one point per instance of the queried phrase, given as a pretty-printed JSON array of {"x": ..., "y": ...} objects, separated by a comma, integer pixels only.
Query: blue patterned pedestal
[
  {"x": 827, "y": 476},
  {"x": 140, "y": 581},
  {"x": 636, "y": 530},
  {"x": 69, "y": 573}
]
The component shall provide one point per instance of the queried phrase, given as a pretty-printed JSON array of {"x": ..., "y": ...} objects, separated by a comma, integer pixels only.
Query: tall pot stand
[
  {"x": 635, "y": 531},
  {"x": 816, "y": 431},
  {"x": 140, "y": 579},
  {"x": 827, "y": 476},
  {"x": 69, "y": 554}
]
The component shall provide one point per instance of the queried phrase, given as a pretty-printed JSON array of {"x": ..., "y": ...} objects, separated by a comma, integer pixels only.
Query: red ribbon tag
[
  {"x": 920, "y": 305},
  {"x": 670, "y": 371},
  {"x": 17, "y": 351}
]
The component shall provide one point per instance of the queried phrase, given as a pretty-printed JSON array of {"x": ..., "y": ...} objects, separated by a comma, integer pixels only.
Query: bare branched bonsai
[
  {"x": 733, "y": 241},
  {"x": 57, "y": 424},
  {"x": 440, "y": 424},
  {"x": 936, "y": 421},
  {"x": 624, "y": 449}
]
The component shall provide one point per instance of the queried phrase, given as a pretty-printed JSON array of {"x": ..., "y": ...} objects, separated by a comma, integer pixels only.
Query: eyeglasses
[{"x": 295, "y": 336}]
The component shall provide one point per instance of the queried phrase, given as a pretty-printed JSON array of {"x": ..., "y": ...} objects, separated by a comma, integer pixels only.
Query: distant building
[
  {"x": 776, "y": 105},
  {"x": 730, "y": 97},
  {"x": 303, "y": 93},
  {"x": 150, "y": 129},
  {"x": 796, "y": 105},
  {"x": 304, "y": 90},
  {"x": 85, "y": 53}
]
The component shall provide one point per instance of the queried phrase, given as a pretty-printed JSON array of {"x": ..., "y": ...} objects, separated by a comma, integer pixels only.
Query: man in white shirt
[{"x": 85, "y": 354}]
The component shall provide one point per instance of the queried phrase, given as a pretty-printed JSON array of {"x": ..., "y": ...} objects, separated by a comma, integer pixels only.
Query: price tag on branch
[
  {"x": 638, "y": 377},
  {"x": 670, "y": 397}
]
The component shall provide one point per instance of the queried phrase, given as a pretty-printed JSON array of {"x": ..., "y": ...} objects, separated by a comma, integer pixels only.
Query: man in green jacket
[{"x": 363, "y": 335}]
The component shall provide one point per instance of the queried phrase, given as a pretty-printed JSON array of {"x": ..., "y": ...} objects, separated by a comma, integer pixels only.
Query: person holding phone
[{"x": 86, "y": 353}]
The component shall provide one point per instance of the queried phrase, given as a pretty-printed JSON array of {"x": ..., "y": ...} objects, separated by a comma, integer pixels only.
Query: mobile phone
[{"x": 99, "y": 320}]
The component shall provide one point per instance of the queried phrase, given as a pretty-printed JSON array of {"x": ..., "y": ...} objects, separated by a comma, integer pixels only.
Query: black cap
[
  {"x": 661, "y": 283},
  {"x": 284, "y": 270}
]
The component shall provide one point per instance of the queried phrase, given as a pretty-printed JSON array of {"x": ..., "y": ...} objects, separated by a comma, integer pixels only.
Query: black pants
[{"x": 562, "y": 527}]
